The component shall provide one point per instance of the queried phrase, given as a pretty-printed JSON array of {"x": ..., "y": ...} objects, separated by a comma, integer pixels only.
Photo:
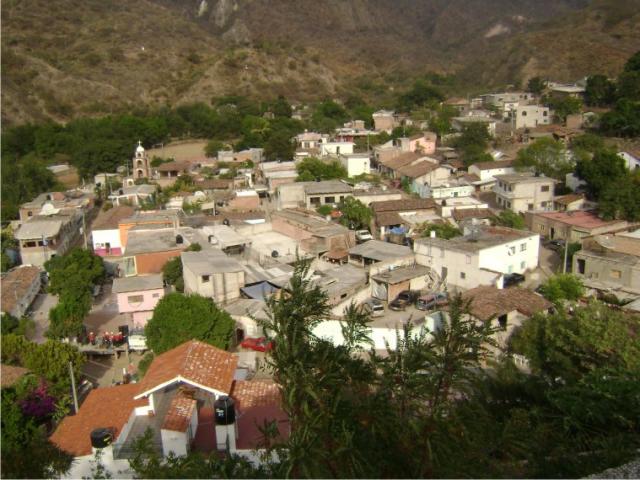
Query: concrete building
[
  {"x": 132, "y": 195},
  {"x": 52, "y": 202},
  {"x": 335, "y": 149},
  {"x": 105, "y": 231},
  {"x": 312, "y": 194},
  {"x": 631, "y": 159},
  {"x": 570, "y": 202},
  {"x": 521, "y": 192},
  {"x": 45, "y": 236},
  {"x": 610, "y": 263},
  {"x": 138, "y": 296},
  {"x": 571, "y": 225},
  {"x": 384, "y": 121},
  {"x": 394, "y": 213},
  {"x": 356, "y": 163},
  {"x": 530, "y": 116},
  {"x": 481, "y": 257},
  {"x": 377, "y": 255},
  {"x": 487, "y": 171},
  {"x": 423, "y": 143},
  {"x": 19, "y": 288},
  {"x": 149, "y": 249},
  {"x": 212, "y": 274}
]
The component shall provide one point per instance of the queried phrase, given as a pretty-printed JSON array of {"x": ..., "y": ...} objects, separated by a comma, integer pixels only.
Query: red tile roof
[
  {"x": 486, "y": 302},
  {"x": 567, "y": 199},
  {"x": 405, "y": 205},
  {"x": 579, "y": 218},
  {"x": 494, "y": 164},
  {"x": 16, "y": 284},
  {"x": 179, "y": 413},
  {"x": 195, "y": 362},
  {"x": 463, "y": 213},
  {"x": 110, "y": 219},
  {"x": 418, "y": 169},
  {"x": 108, "y": 407}
]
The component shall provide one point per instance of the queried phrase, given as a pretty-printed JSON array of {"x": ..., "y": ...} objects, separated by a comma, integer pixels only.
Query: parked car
[
  {"x": 512, "y": 279},
  {"x": 374, "y": 307},
  {"x": 363, "y": 235},
  {"x": 257, "y": 344},
  {"x": 432, "y": 300},
  {"x": 405, "y": 298}
]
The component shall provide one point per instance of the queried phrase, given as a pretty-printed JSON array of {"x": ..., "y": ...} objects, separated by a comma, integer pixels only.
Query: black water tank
[
  {"x": 101, "y": 438},
  {"x": 226, "y": 222},
  {"x": 275, "y": 254},
  {"x": 225, "y": 410},
  {"x": 179, "y": 240}
]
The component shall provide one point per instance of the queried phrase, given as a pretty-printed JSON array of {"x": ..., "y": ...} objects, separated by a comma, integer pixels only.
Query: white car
[
  {"x": 363, "y": 235},
  {"x": 137, "y": 342}
]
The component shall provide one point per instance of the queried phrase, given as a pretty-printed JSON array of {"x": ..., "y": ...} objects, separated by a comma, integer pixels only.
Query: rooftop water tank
[
  {"x": 225, "y": 412},
  {"x": 101, "y": 437}
]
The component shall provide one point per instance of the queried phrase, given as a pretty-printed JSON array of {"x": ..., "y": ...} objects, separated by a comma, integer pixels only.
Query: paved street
[{"x": 40, "y": 308}]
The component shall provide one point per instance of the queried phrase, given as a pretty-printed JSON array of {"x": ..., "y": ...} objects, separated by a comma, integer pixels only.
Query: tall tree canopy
[
  {"x": 179, "y": 318},
  {"x": 546, "y": 156}
]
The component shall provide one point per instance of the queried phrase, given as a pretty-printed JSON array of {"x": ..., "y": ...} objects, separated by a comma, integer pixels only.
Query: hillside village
[{"x": 397, "y": 228}]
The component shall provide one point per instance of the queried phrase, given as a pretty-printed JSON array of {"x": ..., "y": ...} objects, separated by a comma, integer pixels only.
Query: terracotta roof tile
[
  {"x": 405, "y": 205},
  {"x": 108, "y": 407},
  {"x": 16, "y": 284},
  {"x": 494, "y": 164},
  {"x": 418, "y": 169},
  {"x": 195, "y": 362},
  {"x": 567, "y": 199},
  {"x": 179, "y": 413},
  {"x": 111, "y": 218},
  {"x": 385, "y": 219},
  {"x": 10, "y": 374},
  {"x": 256, "y": 393},
  {"x": 487, "y": 301},
  {"x": 461, "y": 214},
  {"x": 401, "y": 160}
]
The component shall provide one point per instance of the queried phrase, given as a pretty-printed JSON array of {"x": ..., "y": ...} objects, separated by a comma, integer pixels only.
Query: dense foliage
[
  {"x": 443, "y": 230},
  {"x": 72, "y": 278},
  {"x": 473, "y": 144},
  {"x": 624, "y": 119},
  {"x": 355, "y": 214},
  {"x": 179, "y": 318},
  {"x": 563, "y": 286},
  {"x": 509, "y": 218},
  {"x": 546, "y": 156},
  {"x": 312, "y": 169}
]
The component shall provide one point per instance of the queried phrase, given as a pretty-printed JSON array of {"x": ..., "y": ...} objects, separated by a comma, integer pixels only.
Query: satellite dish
[{"x": 49, "y": 209}]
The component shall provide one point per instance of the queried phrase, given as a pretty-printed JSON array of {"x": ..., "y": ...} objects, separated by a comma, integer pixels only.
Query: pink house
[
  {"x": 423, "y": 142},
  {"x": 138, "y": 296}
]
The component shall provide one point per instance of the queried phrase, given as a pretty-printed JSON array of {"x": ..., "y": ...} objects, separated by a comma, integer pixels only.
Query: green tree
[
  {"x": 623, "y": 120},
  {"x": 546, "y": 156},
  {"x": 26, "y": 451},
  {"x": 600, "y": 91},
  {"x": 420, "y": 94},
  {"x": 179, "y": 318},
  {"x": 440, "y": 121},
  {"x": 281, "y": 108},
  {"x": 279, "y": 146},
  {"x": 536, "y": 85},
  {"x": 563, "y": 107},
  {"x": 566, "y": 347},
  {"x": 621, "y": 199},
  {"x": 604, "y": 169},
  {"x": 473, "y": 143},
  {"x": 355, "y": 214},
  {"x": 311, "y": 169},
  {"x": 629, "y": 79},
  {"x": 213, "y": 147},
  {"x": 508, "y": 218},
  {"x": 443, "y": 230},
  {"x": 563, "y": 286}
]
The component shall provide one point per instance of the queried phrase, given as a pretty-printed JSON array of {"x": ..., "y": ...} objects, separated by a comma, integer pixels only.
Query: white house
[
  {"x": 631, "y": 160},
  {"x": 530, "y": 116},
  {"x": 356, "y": 163},
  {"x": 480, "y": 257},
  {"x": 486, "y": 172},
  {"x": 336, "y": 148},
  {"x": 451, "y": 189}
]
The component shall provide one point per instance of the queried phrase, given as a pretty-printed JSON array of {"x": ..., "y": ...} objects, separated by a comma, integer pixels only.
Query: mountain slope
[{"x": 66, "y": 58}]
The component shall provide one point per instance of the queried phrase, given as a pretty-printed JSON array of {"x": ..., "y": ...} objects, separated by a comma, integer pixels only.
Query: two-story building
[
  {"x": 522, "y": 192},
  {"x": 483, "y": 256},
  {"x": 571, "y": 225},
  {"x": 356, "y": 163},
  {"x": 105, "y": 231},
  {"x": 487, "y": 171},
  {"x": 212, "y": 274},
  {"x": 530, "y": 116},
  {"x": 138, "y": 296}
]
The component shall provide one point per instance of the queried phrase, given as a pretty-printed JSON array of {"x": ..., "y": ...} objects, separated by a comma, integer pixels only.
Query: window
[
  {"x": 329, "y": 199},
  {"x": 463, "y": 275},
  {"x": 544, "y": 188},
  {"x": 135, "y": 299},
  {"x": 523, "y": 247},
  {"x": 542, "y": 228},
  {"x": 523, "y": 265},
  {"x": 545, "y": 113},
  {"x": 508, "y": 204},
  {"x": 524, "y": 113},
  {"x": 512, "y": 250},
  {"x": 530, "y": 206},
  {"x": 502, "y": 321},
  {"x": 30, "y": 214},
  {"x": 581, "y": 266},
  {"x": 615, "y": 274},
  {"x": 543, "y": 204},
  {"x": 468, "y": 259},
  {"x": 206, "y": 278},
  {"x": 155, "y": 295}
]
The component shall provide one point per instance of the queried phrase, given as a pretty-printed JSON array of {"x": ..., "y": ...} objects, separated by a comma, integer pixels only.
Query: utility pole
[
  {"x": 73, "y": 389},
  {"x": 566, "y": 254}
]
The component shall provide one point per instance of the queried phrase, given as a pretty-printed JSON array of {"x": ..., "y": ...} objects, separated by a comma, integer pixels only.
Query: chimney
[{"x": 226, "y": 427}]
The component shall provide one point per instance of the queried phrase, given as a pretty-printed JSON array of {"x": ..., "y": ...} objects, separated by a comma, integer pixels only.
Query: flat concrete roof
[
  {"x": 137, "y": 283},
  {"x": 487, "y": 237},
  {"x": 524, "y": 178},
  {"x": 328, "y": 186},
  {"x": 247, "y": 307},
  {"x": 209, "y": 262},
  {"x": 149, "y": 241},
  {"x": 401, "y": 274},
  {"x": 36, "y": 229},
  {"x": 377, "y": 250}
]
